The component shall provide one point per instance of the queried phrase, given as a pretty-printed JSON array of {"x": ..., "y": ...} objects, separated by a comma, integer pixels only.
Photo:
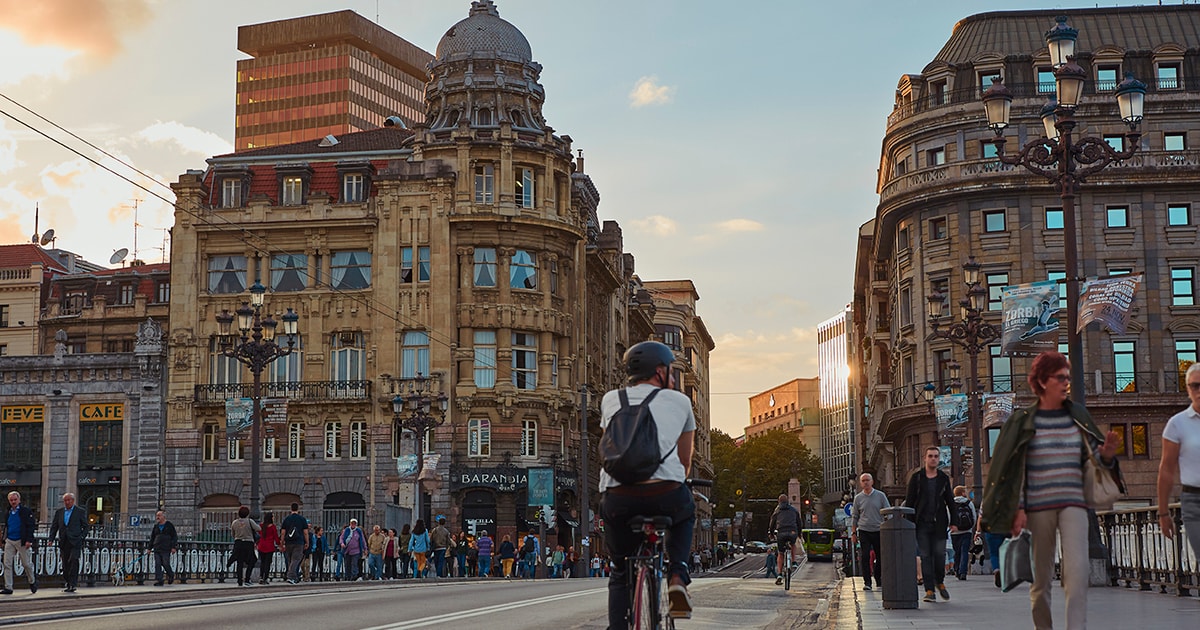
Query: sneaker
[
  {"x": 680, "y": 602},
  {"x": 866, "y": 587},
  {"x": 930, "y": 597},
  {"x": 7, "y": 591},
  {"x": 779, "y": 580},
  {"x": 996, "y": 574},
  {"x": 943, "y": 592},
  {"x": 33, "y": 587},
  {"x": 158, "y": 583}
]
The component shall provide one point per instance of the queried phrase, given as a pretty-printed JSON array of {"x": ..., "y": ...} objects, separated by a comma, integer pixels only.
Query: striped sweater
[{"x": 1053, "y": 466}]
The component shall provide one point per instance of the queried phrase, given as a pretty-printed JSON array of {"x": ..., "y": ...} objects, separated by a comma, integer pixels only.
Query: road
[{"x": 722, "y": 600}]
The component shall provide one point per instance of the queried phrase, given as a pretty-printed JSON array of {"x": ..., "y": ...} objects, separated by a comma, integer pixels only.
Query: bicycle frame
[{"x": 647, "y": 580}]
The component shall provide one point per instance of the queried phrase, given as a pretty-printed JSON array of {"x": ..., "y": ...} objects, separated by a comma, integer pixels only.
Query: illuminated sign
[
  {"x": 102, "y": 411},
  {"x": 22, "y": 413}
]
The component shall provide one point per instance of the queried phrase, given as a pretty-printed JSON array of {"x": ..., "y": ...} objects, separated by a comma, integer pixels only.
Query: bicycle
[
  {"x": 788, "y": 561},
  {"x": 648, "y": 583}
]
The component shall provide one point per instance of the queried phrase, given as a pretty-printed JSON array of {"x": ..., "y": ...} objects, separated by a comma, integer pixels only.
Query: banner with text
[
  {"x": 997, "y": 408},
  {"x": 952, "y": 413},
  {"x": 239, "y": 413},
  {"x": 1108, "y": 301},
  {"x": 1030, "y": 318}
]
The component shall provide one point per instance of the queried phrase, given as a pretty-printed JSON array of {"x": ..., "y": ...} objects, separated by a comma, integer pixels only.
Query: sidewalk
[{"x": 977, "y": 604}]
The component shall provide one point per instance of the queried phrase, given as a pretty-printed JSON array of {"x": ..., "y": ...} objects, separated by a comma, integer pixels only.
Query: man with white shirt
[{"x": 1181, "y": 460}]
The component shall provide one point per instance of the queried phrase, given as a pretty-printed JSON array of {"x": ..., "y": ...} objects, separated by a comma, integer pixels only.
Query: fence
[{"x": 1142, "y": 557}]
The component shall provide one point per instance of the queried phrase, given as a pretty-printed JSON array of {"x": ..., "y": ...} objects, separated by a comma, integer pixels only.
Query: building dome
[{"x": 484, "y": 31}]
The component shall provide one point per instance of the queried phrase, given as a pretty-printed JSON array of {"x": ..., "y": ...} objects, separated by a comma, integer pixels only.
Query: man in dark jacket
[
  {"x": 19, "y": 528},
  {"x": 929, "y": 494},
  {"x": 163, "y": 541},
  {"x": 69, "y": 528}
]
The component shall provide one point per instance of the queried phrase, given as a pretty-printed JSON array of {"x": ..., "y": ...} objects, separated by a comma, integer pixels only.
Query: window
[
  {"x": 222, "y": 370},
  {"x": 1174, "y": 142},
  {"x": 76, "y": 345},
  {"x": 358, "y": 439},
  {"x": 1185, "y": 356},
  {"x": 348, "y": 354},
  {"x": 427, "y": 442},
  {"x": 414, "y": 354},
  {"x": 1135, "y": 439},
  {"x": 333, "y": 440},
  {"x": 671, "y": 335},
  {"x": 406, "y": 265},
  {"x": 938, "y": 91},
  {"x": 288, "y": 272},
  {"x": 485, "y": 358},
  {"x": 292, "y": 191},
  {"x": 1125, "y": 373},
  {"x": 989, "y": 150},
  {"x": 1115, "y": 141},
  {"x": 1119, "y": 271},
  {"x": 901, "y": 166},
  {"x": 226, "y": 274},
  {"x": 162, "y": 293},
  {"x": 296, "y": 441},
  {"x": 270, "y": 450},
  {"x": 906, "y": 367},
  {"x": 3, "y": 349},
  {"x": 525, "y": 183},
  {"x": 937, "y": 228},
  {"x": 554, "y": 369},
  {"x": 479, "y": 438},
  {"x": 522, "y": 273},
  {"x": 553, "y": 277},
  {"x": 1054, "y": 218},
  {"x": 942, "y": 286},
  {"x": 1117, "y": 217},
  {"x": 529, "y": 438},
  {"x": 524, "y": 360},
  {"x": 995, "y": 285},
  {"x": 906, "y": 306},
  {"x": 1046, "y": 83},
  {"x": 485, "y": 181},
  {"x": 1106, "y": 78},
  {"x": 287, "y": 369},
  {"x": 212, "y": 437},
  {"x": 1183, "y": 286},
  {"x": 485, "y": 267},
  {"x": 353, "y": 188},
  {"x": 1002, "y": 378},
  {"x": 233, "y": 448},
  {"x": 1062, "y": 286},
  {"x": 422, "y": 264},
  {"x": 125, "y": 294},
  {"x": 986, "y": 78},
  {"x": 119, "y": 345},
  {"x": 902, "y": 240},
  {"x": 350, "y": 270},
  {"x": 941, "y": 370},
  {"x": 231, "y": 193},
  {"x": 993, "y": 221},
  {"x": 4, "y": 315},
  {"x": 936, "y": 157},
  {"x": 1168, "y": 76}
]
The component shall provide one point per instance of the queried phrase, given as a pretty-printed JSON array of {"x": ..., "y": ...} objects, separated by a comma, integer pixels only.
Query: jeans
[
  {"x": 405, "y": 562},
  {"x": 530, "y": 563},
  {"x": 12, "y": 550},
  {"x": 351, "y": 563},
  {"x": 462, "y": 564},
  {"x": 485, "y": 566},
  {"x": 162, "y": 562},
  {"x": 931, "y": 546},
  {"x": 868, "y": 542},
  {"x": 962, "y": 552},
  {"x": 374, "y": 566},
  {"x": 618, "y": 506},
  {"x": 439, "y": 561},
  {"x": 993, "y": 545}
]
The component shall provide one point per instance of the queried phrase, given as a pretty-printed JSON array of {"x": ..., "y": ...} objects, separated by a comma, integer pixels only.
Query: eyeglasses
[
  {"x": 1062, "y": 378},
  {"x": 1193, "y": 385}
]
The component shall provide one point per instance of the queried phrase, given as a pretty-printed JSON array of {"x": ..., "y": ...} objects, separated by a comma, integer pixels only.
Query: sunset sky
[{"x": 735, "y": 142}]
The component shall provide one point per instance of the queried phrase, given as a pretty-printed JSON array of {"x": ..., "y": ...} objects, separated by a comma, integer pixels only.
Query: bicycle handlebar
[{"x": 699, "y": 483}]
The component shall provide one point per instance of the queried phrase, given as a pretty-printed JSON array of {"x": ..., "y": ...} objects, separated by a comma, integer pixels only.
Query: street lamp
[
  {"x": 415, "y": 395},
  {"x": 1065, "y": 161},
  {"x": 973, "y": 335},
  {"x": 256, "y": 348}
]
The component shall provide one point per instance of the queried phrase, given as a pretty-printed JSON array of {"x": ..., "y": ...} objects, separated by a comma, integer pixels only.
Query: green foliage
[{"x": 761, "y": 467}]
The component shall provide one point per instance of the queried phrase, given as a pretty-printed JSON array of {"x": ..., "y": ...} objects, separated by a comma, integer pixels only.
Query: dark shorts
[{"x": 786, "y": 538}]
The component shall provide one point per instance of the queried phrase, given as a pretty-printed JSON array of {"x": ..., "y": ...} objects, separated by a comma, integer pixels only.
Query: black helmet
[{"x": 643, "y": 359}]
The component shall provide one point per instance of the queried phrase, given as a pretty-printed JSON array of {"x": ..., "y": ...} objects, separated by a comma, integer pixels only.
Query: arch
[
  {"x": 1184, "y": 324},
  {"x": 220, "y": 501},
  {"x": 281, "y": 500},
  {"x": 344, "y": 501}
]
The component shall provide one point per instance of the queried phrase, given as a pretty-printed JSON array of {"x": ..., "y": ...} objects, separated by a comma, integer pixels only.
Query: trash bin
[{"x": 898, "y": 561}]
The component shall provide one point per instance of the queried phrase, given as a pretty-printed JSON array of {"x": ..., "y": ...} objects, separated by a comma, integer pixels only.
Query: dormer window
[
  {"x": 484, "y": 117},
  {"x": 293, "y": 183},
  {"x": 1106, "y": 77},
  {"x": 231, "y": 193},
  {"x": 233, "y": 185},
  {"x": 1168, "y": 76},
  {"x": 356, "y": 180},
  {"x": 352, "y": 187}
]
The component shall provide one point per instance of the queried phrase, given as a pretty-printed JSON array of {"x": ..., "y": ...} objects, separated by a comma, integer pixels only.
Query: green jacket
[{"x": 1006, "y": 476}]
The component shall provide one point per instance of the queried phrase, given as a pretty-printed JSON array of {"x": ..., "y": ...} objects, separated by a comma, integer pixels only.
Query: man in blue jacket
[{"x": 19, "y": 528}]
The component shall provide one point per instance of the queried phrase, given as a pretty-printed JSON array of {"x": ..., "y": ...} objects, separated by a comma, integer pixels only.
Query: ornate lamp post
[
  {"x": 973, "y": 335},
  {"x": 256, "y": 349},
  {"x": 1065, "y": 161},
  {"x": 415, "y": 395}
]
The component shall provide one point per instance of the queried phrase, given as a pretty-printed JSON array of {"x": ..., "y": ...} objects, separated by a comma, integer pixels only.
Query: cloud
[
  {"x": 647, "y": 91},
  {"x": 8, "y": 150},
  {"x": 656, "y": 224},
  {"x": 93, "y": 27},
  {"x": 190, "y": 139},
  {"x": 740, "y": 225}
]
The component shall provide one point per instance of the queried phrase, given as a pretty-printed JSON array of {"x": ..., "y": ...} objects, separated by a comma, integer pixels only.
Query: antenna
[
  {"x": 118, "y": 256},
  {"x": 136, "y": 225},
  {"x": 166, "y": 235},
  {"x": 36, "y": 212},
  {"x": 48, "y": 237}
]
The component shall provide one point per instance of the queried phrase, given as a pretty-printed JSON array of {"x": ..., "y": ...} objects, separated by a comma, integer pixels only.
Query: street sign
[
  {"x": 586, "y": 542},
  {"x": 848, "y": 509}
]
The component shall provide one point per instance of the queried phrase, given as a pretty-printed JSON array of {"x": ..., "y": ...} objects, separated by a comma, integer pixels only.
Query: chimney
[{"x": 579, "y": 162}]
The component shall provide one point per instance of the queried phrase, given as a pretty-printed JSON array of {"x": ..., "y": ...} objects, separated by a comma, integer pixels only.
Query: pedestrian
[
  {"x": 559, "y": 557},
  {"x": 244, "y": 531},
  {"x": 353, "y": 544},
  {"x": 19, "y": 541},
  {"x": 929, "y": 494},
  {"x": 866, "y": 519},
  {"x": 990, "y": 541},
  {"x": 439, "y": 539},
  {"x": 484, "y": 545},
  {"x": 772, "y": 559},
  {"x": 569, "y": 561},
  {"x": 1181, "y": 460},
  {"x": 295, "y": 539},
  {"x": 720, "y": 555},
  {"x": 317, "y": 550},
  {"x": 268, "y": 544},
  {"x": 529, "y": 555},
  {"x": 375, "y": 544},
  {"x": 389, "y": 555},
  {"x": 402, "y": 552},
  {"x": 1036, "y": 482},
  {"x": 163, "y": 542},
  {"x": 706, "y": 558},
  {"x": 508, "y": 553},
  {"x": 462, "y": 545},
  {"x": 472, "y": 559},
  {"x": 597, "y": 570},
  {"x": 339, "y": 570},
  {"x": 697, "y": 562},
  {"x": 418, "y": 546},
  {"x": 962, "y": 530},
  {"x": 69, "y": 528}
]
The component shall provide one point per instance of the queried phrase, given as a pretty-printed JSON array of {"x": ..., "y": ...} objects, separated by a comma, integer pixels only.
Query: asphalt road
[{"x": 724, "y": 600}]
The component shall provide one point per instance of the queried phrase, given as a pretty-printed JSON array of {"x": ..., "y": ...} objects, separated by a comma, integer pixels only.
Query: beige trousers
[
  {"x": 1072, "y": 525},
  {"x": 13, "y": 549}
]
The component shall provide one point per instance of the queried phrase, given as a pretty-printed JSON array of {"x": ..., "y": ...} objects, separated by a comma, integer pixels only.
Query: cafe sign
[{"x": 101, "y": 412}]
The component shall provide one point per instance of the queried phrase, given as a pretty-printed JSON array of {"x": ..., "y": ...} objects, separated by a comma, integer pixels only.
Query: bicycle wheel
[
  {"x": 787, "y": 569},
  {"x": 645, "y": 599},
  {"x": 666, "y": 621}
]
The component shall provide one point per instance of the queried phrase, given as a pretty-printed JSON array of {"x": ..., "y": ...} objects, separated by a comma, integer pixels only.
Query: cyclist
[
  {"x": 785, "y": 521},
  {"x": 648, "y": 365}
]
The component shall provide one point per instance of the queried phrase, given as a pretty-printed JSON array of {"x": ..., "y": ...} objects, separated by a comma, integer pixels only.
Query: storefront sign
[
  {"x": 501, "y": 479},
  {"x": 112, "y": 412},
  {"x": 22, "y": 413}
]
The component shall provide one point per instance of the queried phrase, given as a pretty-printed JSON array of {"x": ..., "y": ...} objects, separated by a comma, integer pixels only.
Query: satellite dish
[
  {"x": 118, "y": 256},
  {"x": 47, "y": 237}
]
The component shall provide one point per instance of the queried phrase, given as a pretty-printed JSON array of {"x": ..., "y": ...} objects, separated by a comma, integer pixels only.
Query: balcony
[
  {"x": 1097, "y": 384},
  {"x": 306, "y": 391}
]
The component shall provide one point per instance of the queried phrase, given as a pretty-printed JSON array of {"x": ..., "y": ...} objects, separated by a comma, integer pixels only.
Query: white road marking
[{"x": 431, "y": 621}]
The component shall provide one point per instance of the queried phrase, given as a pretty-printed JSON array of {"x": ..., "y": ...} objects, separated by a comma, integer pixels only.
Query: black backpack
[
  {"x": 964, "y": 516},
  {"x": 629, "y": 448},
  {"x": 527, "y": 548}
]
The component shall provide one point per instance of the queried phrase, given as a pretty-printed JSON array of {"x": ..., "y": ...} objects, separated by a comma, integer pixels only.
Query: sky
[{"x": 736, "y": 143}]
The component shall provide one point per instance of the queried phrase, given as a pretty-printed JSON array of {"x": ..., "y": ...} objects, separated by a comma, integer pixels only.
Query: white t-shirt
[
  {"x": 1183, "y": 429},
  {"x": 672, "y": 413}
]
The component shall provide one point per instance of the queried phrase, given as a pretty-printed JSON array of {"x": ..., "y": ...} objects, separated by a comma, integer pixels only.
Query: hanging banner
[
  {"x": 541, "y": 486},
  {"x": 1030, "y": 318},
  {"x": 239, "y": 413},
  {"x": 997, "y": 408},
  {"x": 1108, "y": 301},
  {"x": 406, "y": 466},
  {"x": 952, "y": 413}
]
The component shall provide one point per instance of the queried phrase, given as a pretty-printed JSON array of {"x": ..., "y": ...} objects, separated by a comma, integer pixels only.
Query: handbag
[
  {"x": 1100, "y": 487},
  {"x": 1015, "y": 561}
]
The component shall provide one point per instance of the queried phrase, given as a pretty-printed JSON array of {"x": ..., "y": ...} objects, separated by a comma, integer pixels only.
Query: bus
[{"x": 818, "y": 543}]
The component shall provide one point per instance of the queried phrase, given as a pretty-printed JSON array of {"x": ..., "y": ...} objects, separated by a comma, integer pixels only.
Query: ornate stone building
[{"x": 944, "y": 196}]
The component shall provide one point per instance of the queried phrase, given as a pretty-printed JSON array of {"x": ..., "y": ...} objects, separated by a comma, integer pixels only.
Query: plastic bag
[{"x": 1016, "y": 561}]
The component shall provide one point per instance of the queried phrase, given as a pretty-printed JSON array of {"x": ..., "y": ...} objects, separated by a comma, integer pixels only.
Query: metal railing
[
  {"x": 1140, "y": 556},
  {"x": 304, "y": 390},
  {"x": 102, "y": 560}
]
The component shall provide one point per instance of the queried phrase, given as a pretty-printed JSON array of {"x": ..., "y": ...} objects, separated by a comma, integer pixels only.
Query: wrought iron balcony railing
[{"x": 313, "y": 391}]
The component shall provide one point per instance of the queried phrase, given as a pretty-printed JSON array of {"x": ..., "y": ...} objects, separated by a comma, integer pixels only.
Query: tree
[{"x": 761, "y": 468}]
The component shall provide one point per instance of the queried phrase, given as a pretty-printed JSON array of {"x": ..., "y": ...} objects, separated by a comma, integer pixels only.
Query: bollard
[{"x": 898, "y": 564}]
